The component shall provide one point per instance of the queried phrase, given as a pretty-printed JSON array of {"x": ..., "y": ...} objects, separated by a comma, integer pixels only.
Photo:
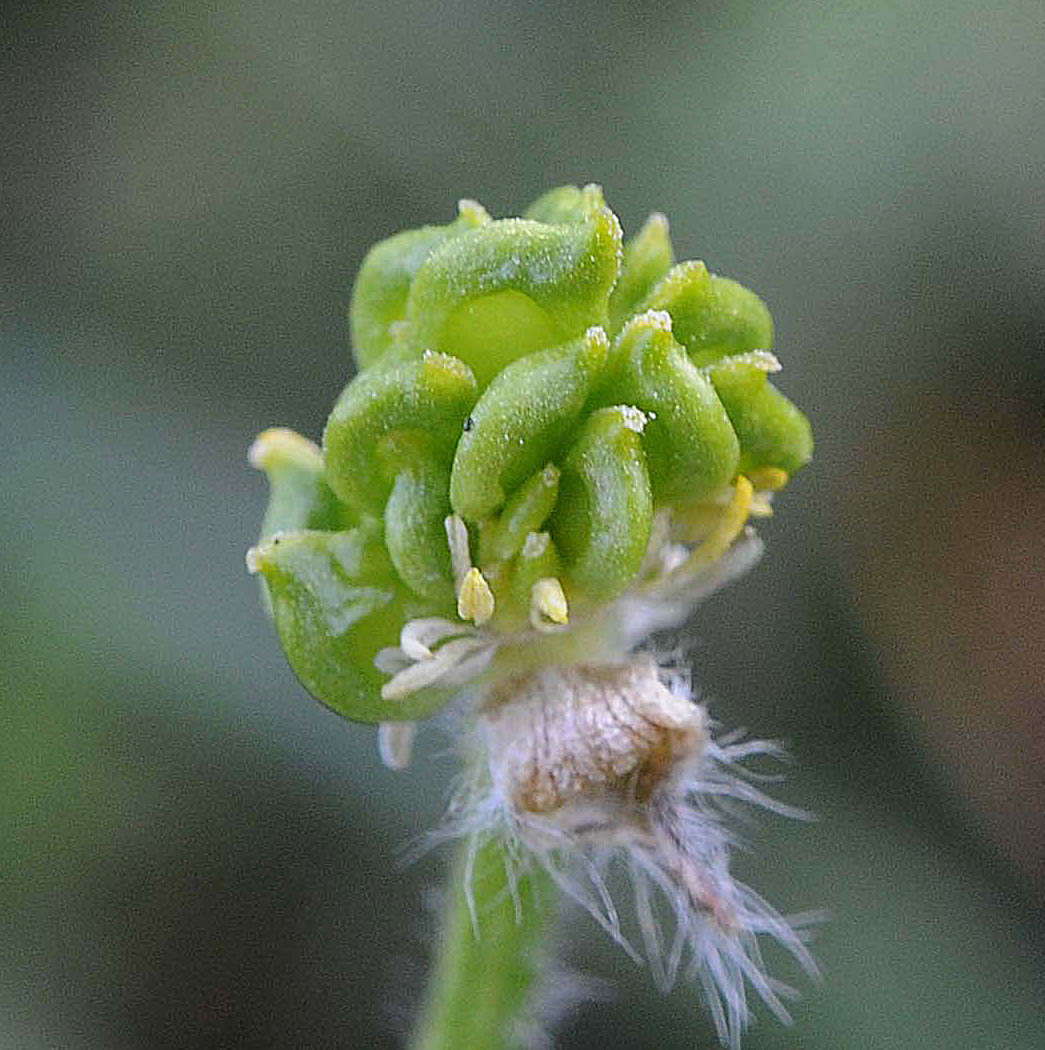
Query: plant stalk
[{"x": 483, "y": 980}]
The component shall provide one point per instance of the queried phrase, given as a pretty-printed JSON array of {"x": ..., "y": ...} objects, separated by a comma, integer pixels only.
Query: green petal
[
  {"x": 336, "y": 602},
  {"x": 601, "y": 521},
  {"x": 689, "y": 440},
  {"x": 521, "y": 421},
  {"x": 771, "y": 430},
  {"x": 381, "y": 288},
  {"x": 429, "y": 398},
  {"x": 711, "y": 316},
  {"x": 513, "y": 287}
]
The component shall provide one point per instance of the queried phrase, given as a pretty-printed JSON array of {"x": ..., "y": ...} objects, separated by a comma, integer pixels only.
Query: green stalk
[{"x": 483, "y": 980}]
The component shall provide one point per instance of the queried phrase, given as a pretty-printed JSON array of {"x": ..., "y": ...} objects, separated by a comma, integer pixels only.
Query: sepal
[
  {"x": 299, "y": 496},
  {"x": 336, "y": 603}
]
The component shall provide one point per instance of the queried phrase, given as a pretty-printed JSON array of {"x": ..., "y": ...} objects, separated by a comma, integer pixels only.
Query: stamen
[
  {"x": 548, "y": 602},
  {"x": 475, "y": 600},
  {"x": 395, "y": 743},
  {"x": 692, "y": 522},
  {"x": 761, "y": 507},
  {"x": 426, "y": 672},
  {"x": 726, "y": 529},
  {"x": 457, "y": 539},
  {"x": 418, "y": 636}
]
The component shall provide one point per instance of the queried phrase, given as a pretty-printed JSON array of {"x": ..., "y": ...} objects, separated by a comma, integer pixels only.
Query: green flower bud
[
  {"x": 603, "y": 490},
  {"x": 491, "y": 419}
]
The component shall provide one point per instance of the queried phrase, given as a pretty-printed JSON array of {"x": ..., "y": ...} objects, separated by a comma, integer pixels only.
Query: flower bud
[{"x": 494, "y": 467}]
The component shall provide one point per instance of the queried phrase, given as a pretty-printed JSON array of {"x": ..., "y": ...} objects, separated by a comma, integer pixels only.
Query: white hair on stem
[{"x": 661, "y": 824}]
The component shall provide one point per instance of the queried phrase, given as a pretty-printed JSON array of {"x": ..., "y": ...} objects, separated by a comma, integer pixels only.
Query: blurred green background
[{"x": 195, "y": 854}]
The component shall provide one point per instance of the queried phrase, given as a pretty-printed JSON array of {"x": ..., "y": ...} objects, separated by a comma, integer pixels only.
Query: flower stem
[{"x": 484, "y": 979}]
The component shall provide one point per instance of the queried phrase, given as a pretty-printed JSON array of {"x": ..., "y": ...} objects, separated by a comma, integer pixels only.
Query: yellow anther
[
  {"x": 768, "y": 479},
  {"x": 548, "y": 602},
  {"x": 475, "y": 599},
  {"x": 726, "y": 529}
]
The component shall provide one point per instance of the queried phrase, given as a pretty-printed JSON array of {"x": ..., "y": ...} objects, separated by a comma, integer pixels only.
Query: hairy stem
[{"x": 484, "y": 979}]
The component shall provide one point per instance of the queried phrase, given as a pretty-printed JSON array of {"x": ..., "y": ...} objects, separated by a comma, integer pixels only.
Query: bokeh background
[{"x": 193, "y": 853}]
